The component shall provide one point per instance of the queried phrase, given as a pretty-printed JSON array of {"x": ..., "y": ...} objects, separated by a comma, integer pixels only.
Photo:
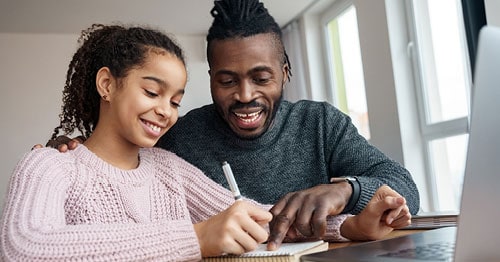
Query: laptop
[{"x": 477, "y": 234}]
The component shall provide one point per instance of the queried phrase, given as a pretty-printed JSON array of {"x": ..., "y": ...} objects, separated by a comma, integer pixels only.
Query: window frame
[{"x": 435, "y": 130}]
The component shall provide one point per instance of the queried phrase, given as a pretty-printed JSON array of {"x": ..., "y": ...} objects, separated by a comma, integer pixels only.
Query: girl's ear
[{"x": 104, "y": 81}]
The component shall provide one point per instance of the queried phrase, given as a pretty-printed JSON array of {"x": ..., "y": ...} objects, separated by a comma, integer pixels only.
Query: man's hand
[
  {"x": 238, "y": 229},
  {"x": 386, "y": 211},
  {"x": 305, "y": 212},
  {"x": 62, "y": 143}
]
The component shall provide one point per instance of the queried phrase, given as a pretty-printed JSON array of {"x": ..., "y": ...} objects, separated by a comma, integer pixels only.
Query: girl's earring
[{"x": 105, "y": 97}]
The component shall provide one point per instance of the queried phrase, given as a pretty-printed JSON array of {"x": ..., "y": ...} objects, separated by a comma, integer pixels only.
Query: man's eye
[
  {"x": 227, "y": 82},
  {"x": 261, "y": 80},
  {"x": 150, "y": 93},
  {"x": 175, "y": 104}
]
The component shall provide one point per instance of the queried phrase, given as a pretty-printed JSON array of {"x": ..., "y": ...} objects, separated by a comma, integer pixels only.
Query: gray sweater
[{"x": 308, "y": 143}]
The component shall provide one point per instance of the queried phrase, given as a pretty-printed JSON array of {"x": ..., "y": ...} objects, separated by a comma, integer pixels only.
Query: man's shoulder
[
  {"x": 200, "y": 112},
  {"x": 195, "y": 119},
  {"x": 308, "y": 104},
  {"x": 192, "y": 126},
  {"x": 311, "y": 107}
]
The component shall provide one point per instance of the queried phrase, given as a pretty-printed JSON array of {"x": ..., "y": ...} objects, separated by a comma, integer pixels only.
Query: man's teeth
[
  {"x": 154, "y": 127},
  {"x": 248, "y": 117}
]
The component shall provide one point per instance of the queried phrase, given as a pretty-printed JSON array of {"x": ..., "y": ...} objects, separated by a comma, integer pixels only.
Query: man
[
  {"x": 306, "y": 157},
  {"x": 273, "y": 146}
]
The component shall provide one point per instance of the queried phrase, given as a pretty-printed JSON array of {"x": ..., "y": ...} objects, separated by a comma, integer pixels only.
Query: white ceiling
[{"x": 185, "y": 17}]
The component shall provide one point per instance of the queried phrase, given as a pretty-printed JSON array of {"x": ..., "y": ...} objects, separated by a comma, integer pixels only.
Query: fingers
[
  {"x": 36, "y": 146},
  {"x": 250, "y": 231},
  {"x": 280, "y": 224},
  {"x": 252, "y": 224},
  {"x": 79, "y": 139},
  {"x": 397, "y": 214},
  {"x": 278, "y": 229},
  {"x": 75, "y": 142},
  {"x": 311, "y": 218},
  {"x": 64, "y": 143},
  {"x": 304, "y": 213},
  {"x": 399, "y": 218},
  {"x": 236, "y": 230},
  {"x": 259, "y": 215},
  {"x": 301, "y": 217},
  {"x": 250, "y": 235},
  {"x": 62, "y": 148}
]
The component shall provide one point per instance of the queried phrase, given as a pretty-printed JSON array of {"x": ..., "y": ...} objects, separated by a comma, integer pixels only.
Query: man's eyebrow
[
  {"x": 225, "y": 72},
  {"x": 253, "y": 70},
  {"x": 261, "y": 68}
]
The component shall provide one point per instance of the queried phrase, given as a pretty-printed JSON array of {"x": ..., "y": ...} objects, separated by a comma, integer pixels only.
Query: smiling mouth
[
  {"x": 248, "y": 118},
  {"x": 152, "y": 126}
]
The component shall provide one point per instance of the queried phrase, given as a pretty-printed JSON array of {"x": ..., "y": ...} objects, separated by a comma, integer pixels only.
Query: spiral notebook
[{"x": 289, "y": 252}]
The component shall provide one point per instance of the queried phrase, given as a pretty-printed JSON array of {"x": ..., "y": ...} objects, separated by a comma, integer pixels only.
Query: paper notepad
[
  {"x": 286, "y": 252},
  {"x": 430, "y": 220}
]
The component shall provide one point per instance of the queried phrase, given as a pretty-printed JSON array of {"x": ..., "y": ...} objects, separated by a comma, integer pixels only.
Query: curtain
[
  {"x": 474, "y": 19},
  {"x": 295, "y": 89}
]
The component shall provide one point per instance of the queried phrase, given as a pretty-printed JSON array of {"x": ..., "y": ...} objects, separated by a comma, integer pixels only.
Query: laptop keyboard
[{"x": 435, "y": 251}]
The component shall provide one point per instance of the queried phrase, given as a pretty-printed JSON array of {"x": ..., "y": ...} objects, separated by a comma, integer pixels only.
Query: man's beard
[{"x": 269, "y": 121}]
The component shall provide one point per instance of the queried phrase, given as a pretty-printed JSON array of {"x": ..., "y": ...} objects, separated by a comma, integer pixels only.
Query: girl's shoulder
[
  {"x": 161, "y": 155},
  {"x": 169, "y": 161},
  {"x": 42, "y": 162},
  {"x": 46, "y": 156}
]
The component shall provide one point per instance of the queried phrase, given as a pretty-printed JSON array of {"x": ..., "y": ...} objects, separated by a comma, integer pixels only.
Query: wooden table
[{"x": 393, "y": 234}]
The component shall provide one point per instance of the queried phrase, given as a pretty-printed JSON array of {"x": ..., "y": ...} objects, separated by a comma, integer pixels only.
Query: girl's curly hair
[{"x": 117, "y": 47}]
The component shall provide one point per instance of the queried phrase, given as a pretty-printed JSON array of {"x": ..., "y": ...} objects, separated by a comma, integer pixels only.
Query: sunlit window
[
  {"x": 448, "y": 163},
  {"x": 347, "y": 70},
  {"x": 443, "y": 71}
]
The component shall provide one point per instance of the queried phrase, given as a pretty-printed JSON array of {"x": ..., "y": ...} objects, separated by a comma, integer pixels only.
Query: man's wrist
[{"x": 355, "y": 195}]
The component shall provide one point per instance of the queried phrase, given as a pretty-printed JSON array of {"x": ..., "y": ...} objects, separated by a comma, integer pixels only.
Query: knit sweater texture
[
  {"x": 74, "y": 206},
  {"x": 307, "y": 144}
]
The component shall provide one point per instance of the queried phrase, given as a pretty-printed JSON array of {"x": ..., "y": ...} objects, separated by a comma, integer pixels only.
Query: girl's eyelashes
[{"x": 150, "y": 93}]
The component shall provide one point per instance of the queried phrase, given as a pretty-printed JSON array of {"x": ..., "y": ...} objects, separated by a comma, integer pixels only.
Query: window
[
  {"x": 442, "y": 70},
  {"x": 345, "y": 66}
]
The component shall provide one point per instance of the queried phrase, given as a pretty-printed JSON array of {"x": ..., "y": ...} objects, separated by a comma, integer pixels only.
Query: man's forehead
[{"x": 258, "y": 47}]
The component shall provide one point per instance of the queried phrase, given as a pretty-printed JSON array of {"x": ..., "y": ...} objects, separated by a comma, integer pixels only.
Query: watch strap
[{"x": 356, "y": 192}]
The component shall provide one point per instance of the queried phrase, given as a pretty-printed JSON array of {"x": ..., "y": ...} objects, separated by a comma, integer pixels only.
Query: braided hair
[
  {"x": 244, "y": 18},
  {"x": 117, "y": 47}
]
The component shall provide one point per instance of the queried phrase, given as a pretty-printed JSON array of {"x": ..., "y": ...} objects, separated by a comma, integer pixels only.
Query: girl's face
[{"x": 144, "y": 106}]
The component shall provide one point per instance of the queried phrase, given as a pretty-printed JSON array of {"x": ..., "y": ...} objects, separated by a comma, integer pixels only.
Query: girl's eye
[{"x": 150, "y": 94}]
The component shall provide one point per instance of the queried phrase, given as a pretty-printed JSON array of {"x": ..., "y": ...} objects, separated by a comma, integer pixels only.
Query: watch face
[{"x": 350, "y": 178}]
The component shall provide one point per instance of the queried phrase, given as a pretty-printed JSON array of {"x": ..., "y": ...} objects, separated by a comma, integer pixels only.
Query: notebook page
[{"x": 286, "y": 249}]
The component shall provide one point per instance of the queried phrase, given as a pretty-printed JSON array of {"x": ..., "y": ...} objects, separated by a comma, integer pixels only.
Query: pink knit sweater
[{"x": 75, "y": 206}]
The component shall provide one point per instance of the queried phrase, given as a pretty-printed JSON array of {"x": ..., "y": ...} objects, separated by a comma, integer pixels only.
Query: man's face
[{"x": 246, "y": 81}]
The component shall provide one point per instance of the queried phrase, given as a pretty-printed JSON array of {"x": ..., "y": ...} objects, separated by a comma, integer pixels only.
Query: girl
[{"x": 115, "y": 197}]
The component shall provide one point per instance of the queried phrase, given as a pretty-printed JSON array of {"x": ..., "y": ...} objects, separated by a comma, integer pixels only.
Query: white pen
[{"x": 231, "y": 181}]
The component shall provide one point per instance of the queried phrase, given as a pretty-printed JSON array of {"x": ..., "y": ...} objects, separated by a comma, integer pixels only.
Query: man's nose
[{"x": 245, "y": 92}]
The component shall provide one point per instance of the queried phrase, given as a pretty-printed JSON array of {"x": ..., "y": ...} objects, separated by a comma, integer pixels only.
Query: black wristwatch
[{"x": 356, "y": 191}]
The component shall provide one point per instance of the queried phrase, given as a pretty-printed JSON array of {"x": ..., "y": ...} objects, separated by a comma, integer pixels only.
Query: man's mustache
[{"x": 239, "y": 105}]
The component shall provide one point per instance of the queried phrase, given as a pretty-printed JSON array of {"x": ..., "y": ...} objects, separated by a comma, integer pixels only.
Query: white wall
[
  {"x": 32, "y": 74},
  {"x": 492, "y": 8}
]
